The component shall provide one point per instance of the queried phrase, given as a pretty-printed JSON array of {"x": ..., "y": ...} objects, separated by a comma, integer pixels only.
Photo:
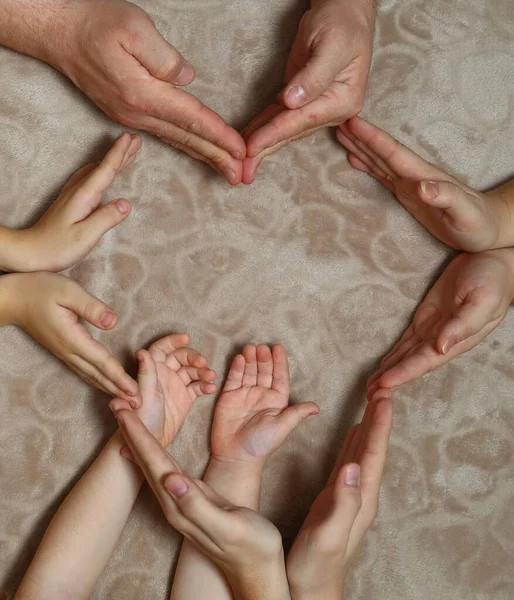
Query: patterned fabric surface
[{"x": 314, "y": 255}]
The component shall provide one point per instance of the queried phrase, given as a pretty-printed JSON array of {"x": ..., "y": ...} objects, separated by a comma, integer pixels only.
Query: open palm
[{"x": 253, "y": 416}]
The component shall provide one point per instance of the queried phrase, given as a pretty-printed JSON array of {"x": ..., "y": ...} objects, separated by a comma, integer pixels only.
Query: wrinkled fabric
[{"x": 314, "y": 255}]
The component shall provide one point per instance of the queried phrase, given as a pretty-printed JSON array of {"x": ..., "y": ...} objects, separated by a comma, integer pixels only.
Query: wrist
[
  {"x": 503, "y": 213},
  {"x": 266, "y": 580},
  {"x": 9, "y": 298},
  {"x": 506, "y": 255},
  {"x": 237, "y": 481},
  {"x": 12, "y": 250}
]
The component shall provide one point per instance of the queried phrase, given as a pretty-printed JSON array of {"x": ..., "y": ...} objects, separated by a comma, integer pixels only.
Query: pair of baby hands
[{"x": 252, "y": 419}]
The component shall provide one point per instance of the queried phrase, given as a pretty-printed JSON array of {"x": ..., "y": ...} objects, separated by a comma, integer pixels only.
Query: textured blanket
[{"x": 314, "y": 255}]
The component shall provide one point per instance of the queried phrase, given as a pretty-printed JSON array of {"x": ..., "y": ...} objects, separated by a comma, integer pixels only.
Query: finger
[
  {"x": 84, "y": 376},
  {"x": 364, "y": 148},
  {"x": 174, "y": 106},
  {"x": 347, "y": 498},
  {"x": 400, "y": 159},
  {"x": 95, "y": 376},
  {"x": 341, "y": 458},
  {"x": 168, "y": 344},
  {"x": 126, "y": 453},
  {"x": 250, "y": 372},
  {"x": 350, "y": 145},
  {"x": 421, "y": 360},
  {"x": 289, "y": 419},
  {"x": 355, "y": 442},
  {"x": 146, "y": 375},
  {"x": 280, "y": 381},
  {"x": 79, "y": 175},
  {"x": 373, "y": 448},
  {"x": 135, "y": 145},
  {"x": 451, "y": 198},
  {"x": 264, "y": 117},
  {"x": 235, "y": 375},
  {"x": 317, "y": 75},
  {"x": 119, "y": 404},
  {"x": 203, "y": 512},
  {"x": 102, "y": 220},
  {"x": 264, "y": 366},
  {"x": 250, "y": 166},
  {"x": 201, "y": 388},
  {"x": 160, "y": 58},
  {"x": 88, "y": 307},
  {"x": 357, "y": 163},
  {"x": 188, "y": 374},
  {"x": 185, "y": 357},
  {"x": 478, "y": 311}
]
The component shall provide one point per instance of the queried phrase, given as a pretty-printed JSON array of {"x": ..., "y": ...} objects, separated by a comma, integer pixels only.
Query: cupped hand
[
  {"x": 326, "y": 77},
  {"x": 49, "y": 307},
  {"x": 234, "y": 538},
  {"x": 341, "y": 515},
  {"x": 469, "y": 300},
  {"x": 454, "y": 213},
  {"x": 71, "y": 227},
  {"x": 113, "y": 52},
  {"x": 170, "y": 377},
  {"x": 252, "y": 416}
]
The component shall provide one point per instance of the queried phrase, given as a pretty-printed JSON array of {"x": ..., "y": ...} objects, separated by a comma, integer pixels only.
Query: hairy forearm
[
  {"x": 196, "y": 575},
  {"x": 85, "y": 530}
]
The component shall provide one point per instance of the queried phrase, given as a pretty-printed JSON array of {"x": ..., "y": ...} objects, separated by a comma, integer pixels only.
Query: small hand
[
  {"x": 326, "y": 78},
  {"x": 253, "y": 417},
  {"x": 341, "y": 515},
  {"x": 237, "y": 539},
  {"x": 453, "y": 212},
  {"x": 113, "y": 52},
  {"x": 71, "y": 227},
  {"x": 171, "y": 377},
  {"x": 468, "y": 301},
  {"x": 48, "y": 306}
]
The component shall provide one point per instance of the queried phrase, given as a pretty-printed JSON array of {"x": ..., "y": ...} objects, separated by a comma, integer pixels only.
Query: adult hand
[
  {"x": 326, "y": 77},
  {"x": 113, "y": 52},
  {"x": 48, "y": 306},
  {"x": 468, "y": 301}
]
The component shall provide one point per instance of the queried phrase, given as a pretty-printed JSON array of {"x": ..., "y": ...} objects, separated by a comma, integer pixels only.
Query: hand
[
  {"x": 252, "y": 417},
  {"x": 454, "y": 213},
  {"x": 71, "y": 227},
  {"x": 341, "y": 515},
  {"x": 171, "y": 377},
  {"x": 114, "y": 54},
  {"x": 326, "y": 77},
  {"x": 48, "y": 307},
  {"x": 468, "y": 301},
  {"x": 246, "y": 546}
]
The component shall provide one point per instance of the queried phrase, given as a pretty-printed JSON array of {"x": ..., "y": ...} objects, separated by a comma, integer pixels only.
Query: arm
[
  {"x": 87, "y": 526},
  {"x": 504, "y": 195},
  {"x": 252, "y": 419},
  {"x": 85, "y": 529}
]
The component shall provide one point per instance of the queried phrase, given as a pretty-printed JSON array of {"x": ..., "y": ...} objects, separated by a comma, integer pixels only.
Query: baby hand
[
  {"x": 341, "y": 515},
  {"x": 253, "y": 417},
  {"x": 71, "y": 227},
  {"x": 246, "y": 546},
  {"x": 468, "y": 301},
  {"x": 454, "y": 213},
  {"x": 171, "y": 377},
  {"x": 48, "y": 306}
]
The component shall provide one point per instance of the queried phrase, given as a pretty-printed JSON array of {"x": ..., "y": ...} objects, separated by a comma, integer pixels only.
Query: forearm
[
  {"x": 85, "y": 530},
  {"x": 196, "y": 575},
  {"x": 502, "y": 198}
]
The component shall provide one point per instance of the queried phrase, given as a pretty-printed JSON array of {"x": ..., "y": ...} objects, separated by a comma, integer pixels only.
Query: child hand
[
  {"x": 71, "y": 227},
  {"x": 252, "y": 417},
  {"x": 468, "y": 301},
  {"x": 241, "y": 542},
  {"x": 171, "y": 377},
  {"x": 341, "y": 515},
  {"x": 48, "y": 307},
  {"x": 453, "y": 212}
]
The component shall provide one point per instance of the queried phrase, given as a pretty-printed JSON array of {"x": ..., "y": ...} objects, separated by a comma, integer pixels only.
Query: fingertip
[
  {"x": 444, "y": 346},
  {"x": 186, "y": 74},
  {"x": 351, "y": 476},
  {"x": 428, "y": 190},
  {"x": 123, "y": 206},
  {"x": 108, "y": 320},
  {"x": 177, "y": 485},
  {"x": 295, "y": 96}
]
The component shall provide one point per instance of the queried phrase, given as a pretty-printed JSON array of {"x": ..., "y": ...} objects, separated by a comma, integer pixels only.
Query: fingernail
[
  {"x": 430, "y": 189},
  {"x": 352, "y": 476},
  {"x": 296, "y": 96},
  {"x": 176, "y": 486},
  {"x": 239, "y": 154},
  {"x": 123, "y": 206},
  {"x": 107, "y": 319},
  {"x": 448, "y": 345}
]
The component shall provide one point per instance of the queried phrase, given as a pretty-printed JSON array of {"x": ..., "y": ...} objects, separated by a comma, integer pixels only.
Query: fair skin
[
  {"x": 469, "y": 300},
  {"x": 49, "y": 306},
  {"x": 459, "y": 216},
  {"x": 339, "y": 518},
  {"x": 472, "y": 296},
  {"x": 113, "y": 52},
  {"x": 85, "y": 530},
  {"x": 76, "y": 221},
  {"x": 325, "y": 79},
  {"x": 252, "y": 419}
]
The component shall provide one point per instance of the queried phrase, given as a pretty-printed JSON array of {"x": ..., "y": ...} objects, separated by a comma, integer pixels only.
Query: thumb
[
  {"x": 160, "y": 58},
  {"x": 447, "y": 196},
  {"x": 317, "y": 75},
  {"x": 477, "y": 312},
  {"x": 86, "y": 306},
  {"x": 291, "y": 417},
  {"x": 347, "y": 497}
]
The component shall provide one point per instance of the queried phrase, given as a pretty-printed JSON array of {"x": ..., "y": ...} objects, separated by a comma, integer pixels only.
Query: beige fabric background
[{"x": 314, "y": 255}]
